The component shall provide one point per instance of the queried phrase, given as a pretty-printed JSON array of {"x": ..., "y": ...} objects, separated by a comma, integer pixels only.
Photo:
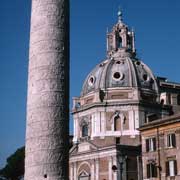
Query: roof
[
  {"x": 120, "y": 71},
  {"x": 161, "y": 122}
]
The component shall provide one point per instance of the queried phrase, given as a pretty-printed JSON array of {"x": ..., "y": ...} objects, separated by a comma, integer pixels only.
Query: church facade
[{"x": 119, "y": 95}]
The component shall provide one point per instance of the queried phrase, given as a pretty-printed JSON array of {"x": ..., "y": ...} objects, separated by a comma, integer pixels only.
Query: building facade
[
  {"x": 161, "y": 149},
  {"x": 119, "y": 95}
]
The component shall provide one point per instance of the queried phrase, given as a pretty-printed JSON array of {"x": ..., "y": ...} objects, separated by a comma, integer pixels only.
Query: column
[
  {"x": 75, "y": 171},
  {"x": 71, "y": 171},
  {"x": 92, "y": 169},
  {"x": 115, "y": 163},
  {"x": 97, "y": 169},
  {"x": 110, "y": 168},
  {"x": 47, "y": 127}
]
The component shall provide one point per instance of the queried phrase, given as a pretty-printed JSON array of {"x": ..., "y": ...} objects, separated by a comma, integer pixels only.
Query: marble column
[
  {"x": 75, "y": 171},
  {"x": 115, "y": 163},
  {"x": 92, "y": 170},
  {"x": 110, "y": 168},
  {"x": 71, "y": 171},
  {"x": 97, "y": 169},
  {"x": 47, "y": 127}
]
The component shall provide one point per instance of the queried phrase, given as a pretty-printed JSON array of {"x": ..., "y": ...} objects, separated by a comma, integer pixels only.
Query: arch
[
  {"x": 117, "y": 120},
  {"x": 84, "y": 171},
  {"x": 117, "y": 123}
]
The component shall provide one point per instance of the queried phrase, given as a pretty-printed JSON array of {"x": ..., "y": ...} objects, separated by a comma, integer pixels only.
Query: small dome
[{"x": 120, "y": 72}]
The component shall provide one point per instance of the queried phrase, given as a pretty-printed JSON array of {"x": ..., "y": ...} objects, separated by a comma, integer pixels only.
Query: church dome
[{"x": 121, "y": 70}]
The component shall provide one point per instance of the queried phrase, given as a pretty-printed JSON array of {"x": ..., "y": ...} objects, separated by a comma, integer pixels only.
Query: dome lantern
[{"x": 120, "y": 38}]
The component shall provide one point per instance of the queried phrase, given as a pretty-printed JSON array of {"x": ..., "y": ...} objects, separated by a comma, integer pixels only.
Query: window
[
  {"x": 171, "y": 168},
  {"x": 151, "y": 170},
  {"x": 117, "y": 123},
  {"x": 119, "y": 42},
  {"x": 151, "y": 144},
  {"x": 85, "y": 130},
  {"x": 169, "y": 98},
  {"x": 171, "y": 140},
  {"x": 178, "y": 99}
]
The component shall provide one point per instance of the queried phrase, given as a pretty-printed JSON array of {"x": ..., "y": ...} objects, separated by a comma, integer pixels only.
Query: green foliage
[{"x": 15, "y": 165}]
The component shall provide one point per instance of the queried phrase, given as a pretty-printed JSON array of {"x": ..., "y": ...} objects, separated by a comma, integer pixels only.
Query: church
[{"x": 120, "y": 95}]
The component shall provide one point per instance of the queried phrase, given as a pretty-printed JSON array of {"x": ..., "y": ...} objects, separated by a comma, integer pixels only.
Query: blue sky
[{"x": 157, "y": 29}]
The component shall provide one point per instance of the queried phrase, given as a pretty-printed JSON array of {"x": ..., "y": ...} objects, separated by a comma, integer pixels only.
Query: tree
[{"x": 14, "y": 168}]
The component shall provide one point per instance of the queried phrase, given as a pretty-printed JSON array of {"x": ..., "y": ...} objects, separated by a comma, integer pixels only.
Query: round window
[
  {"x": 138, "y": 63},
  {"x": 91, "y": 81},
  {"x": 118, "y": 76}
]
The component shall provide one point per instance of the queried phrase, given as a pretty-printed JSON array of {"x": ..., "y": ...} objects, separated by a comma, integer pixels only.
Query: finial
[
  {"x": 107, "y": 30},
  {"x": 119, "y": 15}
]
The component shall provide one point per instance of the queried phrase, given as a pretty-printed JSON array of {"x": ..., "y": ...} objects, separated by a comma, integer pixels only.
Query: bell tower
[{"x": 120, "y": 38}]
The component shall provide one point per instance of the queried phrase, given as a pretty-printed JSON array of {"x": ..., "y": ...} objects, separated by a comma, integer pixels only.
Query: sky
[{"x": 157, "y": 29}]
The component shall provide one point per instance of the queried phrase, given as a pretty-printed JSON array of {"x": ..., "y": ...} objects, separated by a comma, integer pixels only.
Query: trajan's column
[{"x": 48, "y": 92}]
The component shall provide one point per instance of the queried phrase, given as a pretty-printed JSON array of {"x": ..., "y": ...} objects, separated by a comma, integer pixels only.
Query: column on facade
[
  {"x": 97, "y": 118},
  {"x": 139, "y": 167},
  {"x": 71, "y": 171},
  {"x": 78, "y": 130},
  {"x": 92, "y": 169},
  {"x": 115, "y": 163},
  {"x": 136, "y": 118},
  {"x": 99, "y": 122},
  {"x": 124, "y": 171},
  {"x": 122, "y": 168},
  {"x": 132, "y": 122},
  {"x": 92, "y": 126},
  {"x": 103, "y": 123},
  {"x": 75, "y": 130},
  {"x": 97, "y": 169},
  {"x": 110, "y": 168},
  {"x": 75, "y": 171}
]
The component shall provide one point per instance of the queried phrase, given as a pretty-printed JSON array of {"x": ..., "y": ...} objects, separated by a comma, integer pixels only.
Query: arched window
[
  {"x": 162, "y": 101},
  {"x": 84, "y": 130},
  {"x": 119, "y": 42},
  {"x": 117, "y": 123}
]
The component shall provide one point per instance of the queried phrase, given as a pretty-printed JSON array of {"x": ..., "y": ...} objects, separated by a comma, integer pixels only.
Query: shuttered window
[
  {"x": 171, "y": 140},
  {"x": 151, "y": 144},
  {"x": 171, "y": 168},
  {"x": 151, "y": 170}
]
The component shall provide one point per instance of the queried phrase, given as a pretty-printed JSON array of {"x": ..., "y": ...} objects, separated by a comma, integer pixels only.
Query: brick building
[
  {"x": 119, "y": 95},
  {"x": 161, "y": 148}
]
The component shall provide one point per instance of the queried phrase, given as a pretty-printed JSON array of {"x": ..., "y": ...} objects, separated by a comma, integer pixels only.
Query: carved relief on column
[{"x": 47, "y": 127}]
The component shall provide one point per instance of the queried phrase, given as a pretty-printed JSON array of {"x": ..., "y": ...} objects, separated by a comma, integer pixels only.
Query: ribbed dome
[{"x": 120, "y": 71}]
